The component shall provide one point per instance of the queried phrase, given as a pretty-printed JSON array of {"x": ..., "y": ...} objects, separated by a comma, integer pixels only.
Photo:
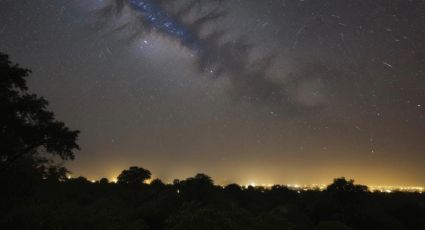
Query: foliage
[
  {"x": 342, "y": 185},
  {"x": 29, "y": 133},
  {"x": 196, "y": 203},
  {"x": 134, "y": 175},
  {"x": 104, "y": 181}
]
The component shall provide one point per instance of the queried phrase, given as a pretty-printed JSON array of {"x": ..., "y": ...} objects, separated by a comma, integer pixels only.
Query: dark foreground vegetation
[
  {"x": 36, "y": 194},
  {"x": 197, "y": 204}
]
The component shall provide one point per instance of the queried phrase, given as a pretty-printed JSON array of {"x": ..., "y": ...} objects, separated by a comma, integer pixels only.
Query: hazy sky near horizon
[{"x": 247, "y": 91}]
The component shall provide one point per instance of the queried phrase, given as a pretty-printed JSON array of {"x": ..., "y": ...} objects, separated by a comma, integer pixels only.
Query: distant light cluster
[
  {"x": 312, "y": 187},
  {"x": 322, "y": 187},
  {"x": 296, "y": 187},
  {"x": 390, "y": 189}
]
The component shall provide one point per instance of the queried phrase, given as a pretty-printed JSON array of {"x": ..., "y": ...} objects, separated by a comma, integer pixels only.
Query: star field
[{"x": 246, "y": 91}]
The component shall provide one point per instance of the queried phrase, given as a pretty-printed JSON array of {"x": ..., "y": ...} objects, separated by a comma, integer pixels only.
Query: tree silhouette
[
  {"x": 56, "y": 173},
  {"x": 157, "y": 183},
  {"x": 28, "y": 131},
  {"x": 233, "y": 188},
  {"x": 342, "y": 185},
  {"x": 201, "y": 180},
  {"x": 104, "y": 181},
  {"x": 134, "y": 175},
  {"x": 79, "y": 180},
  {"x": 199, "y": 188}
]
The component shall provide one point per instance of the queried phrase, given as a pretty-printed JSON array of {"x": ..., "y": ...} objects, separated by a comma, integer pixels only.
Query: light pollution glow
[{"x": 336, "y": 93}]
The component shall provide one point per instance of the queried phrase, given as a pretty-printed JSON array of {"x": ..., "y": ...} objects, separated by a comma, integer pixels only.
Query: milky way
[
  {"x": 215, "y": 56},
  {"x": 266, "y": 91},
  {"x": 159, "y": 18}
]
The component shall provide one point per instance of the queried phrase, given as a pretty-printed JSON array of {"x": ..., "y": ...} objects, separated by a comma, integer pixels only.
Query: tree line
[{"x": 196, "y": 203}]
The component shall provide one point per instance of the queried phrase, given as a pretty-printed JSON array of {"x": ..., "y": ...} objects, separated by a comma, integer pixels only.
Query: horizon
[
  {"x": 295, "y": 187},
  {"x": 254, "y": 183}
]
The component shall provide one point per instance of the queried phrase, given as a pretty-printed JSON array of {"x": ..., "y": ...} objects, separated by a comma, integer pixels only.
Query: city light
[{"x": 322, "y": 187}]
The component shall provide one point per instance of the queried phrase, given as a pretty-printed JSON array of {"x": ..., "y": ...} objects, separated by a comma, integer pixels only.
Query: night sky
[{"x": 246, "y": 91}]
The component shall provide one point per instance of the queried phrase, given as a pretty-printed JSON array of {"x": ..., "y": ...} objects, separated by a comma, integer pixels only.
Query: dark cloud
[{"x": 221, "y": 57}]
